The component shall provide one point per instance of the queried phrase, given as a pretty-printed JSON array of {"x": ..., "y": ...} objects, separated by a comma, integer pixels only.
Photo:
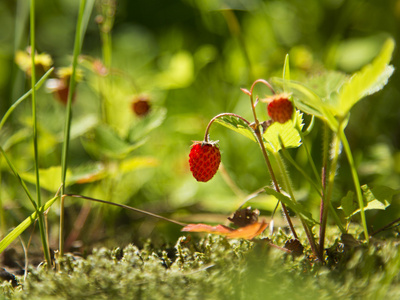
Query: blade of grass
[
  {"x": 19, "y": 179},
  {"x": 43, "y": 236},
  {"x": 24, "y": 96},
  {"x": 67, "y": 130},
  {"x": 17, "y": 231}
]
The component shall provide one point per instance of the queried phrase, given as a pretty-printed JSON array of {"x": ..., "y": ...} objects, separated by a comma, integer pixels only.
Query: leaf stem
[
  {"x": 356, "y": 181},
  {"x": 219, "y": 116},
  {"x": 264, "y": 151}
]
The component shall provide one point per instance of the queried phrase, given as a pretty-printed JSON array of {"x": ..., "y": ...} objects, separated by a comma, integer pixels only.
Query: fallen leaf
[{"x": 248, "y": 232}]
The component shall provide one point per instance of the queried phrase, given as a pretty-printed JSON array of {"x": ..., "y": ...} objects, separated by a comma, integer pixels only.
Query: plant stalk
[
  {"x": 67, "y": 130},
  {"x": 43, "y": 236}
]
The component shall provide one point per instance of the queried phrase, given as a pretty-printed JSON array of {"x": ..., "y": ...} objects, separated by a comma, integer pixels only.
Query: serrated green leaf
[
  {"x": 285, "y": 134},
  {"x": 296, "y": 207},
  {"x": 368, "y": 80},
  {"x": 382, "y": 194},
  {"x": 238, "y": 125},
  {"x": 379, "y": 197}
]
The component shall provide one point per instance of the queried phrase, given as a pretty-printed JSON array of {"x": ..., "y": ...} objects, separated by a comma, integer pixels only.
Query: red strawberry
[
  {"x": 204, "y": 160},
  {"x": 280, "y": 108}
]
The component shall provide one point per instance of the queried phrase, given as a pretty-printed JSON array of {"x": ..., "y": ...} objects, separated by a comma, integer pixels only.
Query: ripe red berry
[
  {"x": 204, "y": 160},
  {"x": 280, "y": 108}
]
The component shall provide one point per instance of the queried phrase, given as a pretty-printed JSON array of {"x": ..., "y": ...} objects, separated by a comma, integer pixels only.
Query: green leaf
[
  {"x": 382, "y": 194},
  {"x": 50, "y": 178},
  {"x": 238, "y": 125},
  {"x": 379, "y": 197},
  {"x": 105, "y": 142},
  {"x": 348, "y": 205},
  {"x": 368, "y": 80},
  {"x": 144, "y": 126},
  {"x": 9, "y": 238},
  {"x": 296, "y": 207},
  {"x": 286, "y": 134}
]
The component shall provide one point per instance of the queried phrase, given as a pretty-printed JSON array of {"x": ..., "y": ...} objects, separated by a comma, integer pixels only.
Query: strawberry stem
[
  {"x": 264, "y": 151},
  {"x": 219, "y": 116}
]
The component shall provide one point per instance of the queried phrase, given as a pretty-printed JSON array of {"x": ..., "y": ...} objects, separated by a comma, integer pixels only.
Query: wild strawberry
[
  {"x": 280, "y": 108},
  {"x": 204, "y": 160}
]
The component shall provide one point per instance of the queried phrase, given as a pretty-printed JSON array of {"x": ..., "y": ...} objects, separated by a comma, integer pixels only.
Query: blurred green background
[{"x": 189, "y": 58}]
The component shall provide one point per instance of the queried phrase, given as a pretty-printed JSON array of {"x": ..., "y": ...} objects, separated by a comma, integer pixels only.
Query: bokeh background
[{"x": 189, "y": 58}]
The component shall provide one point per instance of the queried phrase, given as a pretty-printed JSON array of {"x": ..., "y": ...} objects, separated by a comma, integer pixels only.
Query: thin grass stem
[
  {"x": 67, "y": 128},
  {"x": 42, "y": 229}
]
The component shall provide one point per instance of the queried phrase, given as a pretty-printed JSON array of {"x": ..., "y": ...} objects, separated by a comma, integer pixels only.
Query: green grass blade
[
  {"x": 67, "y": 130},
  {"x": 25, "y": 96},
  {"x": 17, "y": 231},
  {"x": 19, "y": 178}
]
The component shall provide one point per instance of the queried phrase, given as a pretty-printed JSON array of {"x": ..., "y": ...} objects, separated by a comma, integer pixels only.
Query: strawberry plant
[{"x": 331, "y": 103}]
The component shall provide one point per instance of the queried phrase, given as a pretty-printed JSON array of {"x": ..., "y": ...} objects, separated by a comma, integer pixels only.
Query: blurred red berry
[{"x": 141, "y": 106}]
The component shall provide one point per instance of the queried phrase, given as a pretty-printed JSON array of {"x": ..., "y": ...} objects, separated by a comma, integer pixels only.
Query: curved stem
[
  {"x": 263, "y": 81},
  {"x": 219, "y": 116},
  {"x": 264, "y": 151}
]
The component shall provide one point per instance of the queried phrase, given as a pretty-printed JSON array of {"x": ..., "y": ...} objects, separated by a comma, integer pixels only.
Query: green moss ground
[{"x": 217, "y": 268}]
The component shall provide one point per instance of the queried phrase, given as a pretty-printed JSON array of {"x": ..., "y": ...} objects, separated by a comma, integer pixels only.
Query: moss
[{"x": 215, "y": 268}]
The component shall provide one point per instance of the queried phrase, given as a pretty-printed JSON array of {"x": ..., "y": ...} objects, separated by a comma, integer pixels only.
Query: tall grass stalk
[
  {"x": 67, "y": 129},
  {"x": 35, "y": 136}
]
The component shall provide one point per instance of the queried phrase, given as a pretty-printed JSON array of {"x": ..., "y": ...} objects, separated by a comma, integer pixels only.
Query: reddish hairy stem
[{"x": 264, "y": 151}]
